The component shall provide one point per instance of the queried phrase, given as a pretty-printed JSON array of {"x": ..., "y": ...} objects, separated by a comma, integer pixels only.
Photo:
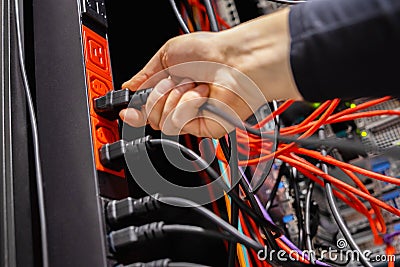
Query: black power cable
[
  {"x": 234, "y": 168},
  {"x": 129, "y": 208},
  {"x": 136, "y": 235},
  {"x": 282, "y": 171},
  {"x": 224, "y": 146},
  {"x": 195, "y": 230},
  {"x": 310, "y": 141},
  {"x": 245, "y": 187},
  {"x": 214, "y": 175},
  {"x": 335, "y": 212},
  {"x": 173, "y": 201},
  {"x": 265, "y": 174}
]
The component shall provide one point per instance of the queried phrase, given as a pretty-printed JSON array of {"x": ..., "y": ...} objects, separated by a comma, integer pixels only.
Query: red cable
[
  {"x": 353, "y": 202},
  {"x": 340, "y": 184},
  {"x": 333, "y": 161},
  {"x": 277, "y": 112}
]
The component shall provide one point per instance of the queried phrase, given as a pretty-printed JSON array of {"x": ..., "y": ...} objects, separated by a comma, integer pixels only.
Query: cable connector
[
  {"x": 157, "y": 263},
  {"x": 112, "y": 155},
  {"x": 119, "y": 211},
  {"x": 134, "y": 235},
  {"x": 114, "y": 101}
]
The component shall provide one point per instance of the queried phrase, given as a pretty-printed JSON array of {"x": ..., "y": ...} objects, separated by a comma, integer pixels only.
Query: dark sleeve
[{"x": 345, "y": 48}]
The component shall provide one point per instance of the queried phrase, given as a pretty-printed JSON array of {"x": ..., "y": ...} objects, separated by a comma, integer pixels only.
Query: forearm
[{"x": 260, "y": 48}]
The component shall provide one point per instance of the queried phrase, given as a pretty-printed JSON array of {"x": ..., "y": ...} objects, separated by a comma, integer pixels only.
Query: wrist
[{"x": 260, "y": 48}]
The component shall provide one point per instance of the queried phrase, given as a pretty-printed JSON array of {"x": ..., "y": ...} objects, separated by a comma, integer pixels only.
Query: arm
[{"x": 313, "y": 51}]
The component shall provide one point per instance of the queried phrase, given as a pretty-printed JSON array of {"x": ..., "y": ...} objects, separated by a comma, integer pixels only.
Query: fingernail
[
  {"x": 124, "y": 85},
  {"x": 122, "y": 114},
  {"x": 131, "y": 114}
]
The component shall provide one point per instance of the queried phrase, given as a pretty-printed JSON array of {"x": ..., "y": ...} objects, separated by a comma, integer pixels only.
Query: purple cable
[
  {"x": 388, "y": 238},
  {"x": 283, "y": 238}
]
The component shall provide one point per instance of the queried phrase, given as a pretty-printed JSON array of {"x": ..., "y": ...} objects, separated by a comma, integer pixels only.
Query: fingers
[
  {"x": 162, "y": 100},
  {"x": 174, "y": 97},
  {"x": 185, "y": 111},
  {"x": 156, "y": 101},
  {"x": 133, "y": 117}
]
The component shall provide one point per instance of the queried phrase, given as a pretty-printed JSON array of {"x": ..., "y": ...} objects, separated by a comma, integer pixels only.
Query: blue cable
[{"x": 226, "y": 179}]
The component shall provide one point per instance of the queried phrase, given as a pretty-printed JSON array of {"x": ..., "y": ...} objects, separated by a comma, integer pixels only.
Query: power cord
[
  {"x": 136, "y": 235},
  {"x": 120, "y": 210},
  {"x": 234, "y": 170},
  {"x": 245, "y": 187},
  {"x": 214, "y": 175},
  {"x": 277, "y": 122},
  {"x": 307, "y": 218},
  {"x": 335, "y": 212},
  {"x": 310, "y": 141},
  {"x": 282, "y": 171},
  {"x": 211, "y": 15},
  {"x": 178, "y": 16},
  {"x": 214, "y": 218},
  {"x": 35, "y": 136}
]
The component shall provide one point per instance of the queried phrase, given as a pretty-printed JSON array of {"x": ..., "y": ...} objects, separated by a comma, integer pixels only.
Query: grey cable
[
  {"x": 178, "y": 16},
  {"x": 342, "y": 226},
  {"x": 211, "y": 16},
  {"x": 307, "y": 221},
  {"x": 335, "y": 212},
  {"x": 35, "y": 136}
]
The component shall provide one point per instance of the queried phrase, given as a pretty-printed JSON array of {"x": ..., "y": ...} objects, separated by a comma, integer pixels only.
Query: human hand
[{"x": 238, "y": 69}]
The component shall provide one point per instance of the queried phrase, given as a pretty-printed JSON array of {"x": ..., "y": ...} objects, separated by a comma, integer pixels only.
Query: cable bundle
[
  {"x": 295, "y": 156},
  {"x": 293, "y": 145}
]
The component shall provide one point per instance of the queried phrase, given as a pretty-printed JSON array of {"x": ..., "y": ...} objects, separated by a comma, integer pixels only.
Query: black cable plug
[
  {"x": 112, "y": 155},
  {"x": 120, "y": 211},
  {"x": 114, "y": 101},
  {"x": 134, "y": 235}
]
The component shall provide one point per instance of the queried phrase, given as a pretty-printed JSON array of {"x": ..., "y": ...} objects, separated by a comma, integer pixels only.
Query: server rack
[{"x": 75, "y": 185}]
